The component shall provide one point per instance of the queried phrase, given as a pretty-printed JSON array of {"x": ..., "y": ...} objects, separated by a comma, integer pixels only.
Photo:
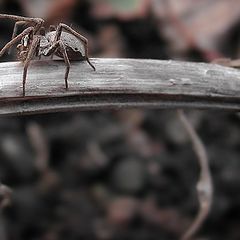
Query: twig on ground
[
  {"x": 39, "y": 144},
  {"x": 204, "y": 185},
  {"x": 5, "y": 195},
  {"x": 48, "y": 177}
]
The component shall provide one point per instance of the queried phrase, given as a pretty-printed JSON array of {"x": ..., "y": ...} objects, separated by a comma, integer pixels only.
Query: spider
[{"x": 36, "y": 42}]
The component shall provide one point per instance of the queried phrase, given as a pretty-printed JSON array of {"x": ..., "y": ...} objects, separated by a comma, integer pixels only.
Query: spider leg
[
  {"x": 16, "y": 39},
  {"x": 38, "y": 22},
  {"x": 62, "y": 26},
  {"x": 15, "y": 29},
  {"x": 20, "y": 18},
  {"x": 54, "y": 47},
  {"x": 67, "y": 62},
  {"x": 33, "y": 48}
]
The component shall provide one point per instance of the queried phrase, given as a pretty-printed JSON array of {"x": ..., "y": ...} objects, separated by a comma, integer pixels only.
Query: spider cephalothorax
[{"x": 35, "y": 42}]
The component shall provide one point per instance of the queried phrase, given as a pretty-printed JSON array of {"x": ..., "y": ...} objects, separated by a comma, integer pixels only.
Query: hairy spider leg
[
  {"x": 38, "y": 25},
  {"x": 16, "y": 39},
  {"x": 59, "y": 44},
  {"x": 62, "y": 26},
  {"x": 21, "y": 21},
  {"x": 21, "y": 18},
  {"x": 33, "y": 48},
  {"x": 37, "y": 21},
  {"x": 15, "y": 29}
]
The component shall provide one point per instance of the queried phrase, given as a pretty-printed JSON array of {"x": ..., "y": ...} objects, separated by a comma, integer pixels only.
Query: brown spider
[{"x": 35, "y": 42}]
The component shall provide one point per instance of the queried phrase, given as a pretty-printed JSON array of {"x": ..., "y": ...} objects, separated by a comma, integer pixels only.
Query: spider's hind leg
[{"x": 59, "y": 30}]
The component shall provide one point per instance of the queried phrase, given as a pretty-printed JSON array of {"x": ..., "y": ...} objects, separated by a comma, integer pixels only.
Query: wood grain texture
[{"x": 118, "y": 83}]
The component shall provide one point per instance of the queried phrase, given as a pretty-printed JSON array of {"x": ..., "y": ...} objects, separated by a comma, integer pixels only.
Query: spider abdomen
[{"x": 74, "y": 47}]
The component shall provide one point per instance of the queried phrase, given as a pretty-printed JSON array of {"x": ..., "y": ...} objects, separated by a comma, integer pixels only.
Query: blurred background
[{"x": 126, "y": 174}]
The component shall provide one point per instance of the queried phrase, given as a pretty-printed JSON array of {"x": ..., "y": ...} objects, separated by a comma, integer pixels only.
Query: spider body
[
  {"x": 74, "y": 48},
  {"x": 35, "y": 43}
]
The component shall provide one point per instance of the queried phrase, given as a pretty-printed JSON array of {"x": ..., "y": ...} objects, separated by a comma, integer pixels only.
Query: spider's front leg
[
  {"x": 27, "y": 31},
  {"x": 36, "y": 22},
  {"x": 84, "y": 40},
  {"x": 60, "y": 45},
  {"x": 15, "y": 29}
]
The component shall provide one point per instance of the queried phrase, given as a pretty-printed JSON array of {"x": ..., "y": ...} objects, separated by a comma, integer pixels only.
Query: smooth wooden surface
[{"x": 118, "y": 83}]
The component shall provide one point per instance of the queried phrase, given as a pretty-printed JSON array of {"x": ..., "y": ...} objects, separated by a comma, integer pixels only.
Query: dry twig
[
  {"x": 39, "y": 144},
  {"x": 204, "y": 185},
  {"x": 118, "y": 83}
]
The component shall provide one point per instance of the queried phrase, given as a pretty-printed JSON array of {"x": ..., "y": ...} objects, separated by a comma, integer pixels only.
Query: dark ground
[{"x": 118, "y": 174}]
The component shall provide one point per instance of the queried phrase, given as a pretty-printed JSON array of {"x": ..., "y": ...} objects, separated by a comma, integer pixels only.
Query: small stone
[{"x": 129, "y": 175}]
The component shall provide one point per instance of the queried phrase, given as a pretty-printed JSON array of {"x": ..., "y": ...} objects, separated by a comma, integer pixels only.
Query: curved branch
[{"x": 118, "y": 83}]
